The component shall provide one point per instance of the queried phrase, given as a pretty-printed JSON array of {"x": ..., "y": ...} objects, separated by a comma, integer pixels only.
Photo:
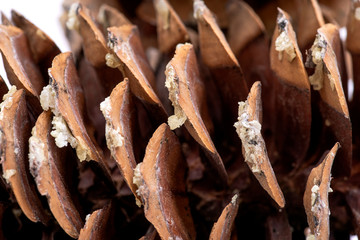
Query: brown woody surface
[
  {"x": 316, "y": 200},
  {"x": 244, "y": 27},
  {"x": 69, "y": 102},
  {"x": 97, "y": 224},
  {"x": 219, "y": 58},
  {"x": 333, "y": 104},
  {"x": 161, "y": 186},
  {"x": 183, "y": 71},
  {"x": 353, "y": 46},
  {"x": 110, "y": 16},
  {"x": 222, "y": 229},
  {"x": 23, "y": 73},
  {"x": 170, "y": 29},
  {"x": 293, "y": 100},
  {"x": 15, "y": 132},
  {"x": 48, "y": 166},
  {"x": 231, "y": 47},
  {"x": 254, "y": 148},
  {"x": 120, "y": 116},
  {"x": 125, "y": 41},
  {"x": 310, "y": 19},
  {"x": 42, "y": 47}
]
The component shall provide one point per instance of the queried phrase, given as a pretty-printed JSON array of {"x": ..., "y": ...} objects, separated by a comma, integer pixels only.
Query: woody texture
[{"x": 182, "y": 120}]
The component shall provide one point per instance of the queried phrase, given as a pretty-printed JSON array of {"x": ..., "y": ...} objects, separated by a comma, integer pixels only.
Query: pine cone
[{"x": 182, "y": 120}]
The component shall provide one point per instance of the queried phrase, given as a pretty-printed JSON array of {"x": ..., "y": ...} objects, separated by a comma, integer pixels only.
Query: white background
[{"x": 45, "y": 14}]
